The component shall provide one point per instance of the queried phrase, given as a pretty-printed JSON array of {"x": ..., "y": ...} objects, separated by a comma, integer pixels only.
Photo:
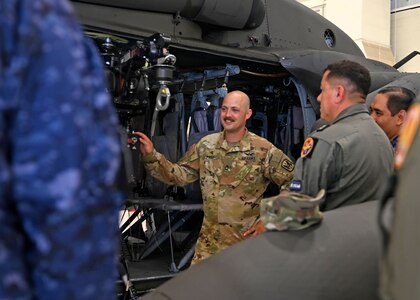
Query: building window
[{"x": 396, "y": 4}]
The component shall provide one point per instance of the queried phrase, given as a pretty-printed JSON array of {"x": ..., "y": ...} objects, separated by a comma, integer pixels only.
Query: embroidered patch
[
  {"x": 287, "y": 165},
  {"x": 307, "y": 147},
  {"x": 408, "y": 132},
  {"x": 295, "y": 186},
  {"x": 249, "y": 155}
]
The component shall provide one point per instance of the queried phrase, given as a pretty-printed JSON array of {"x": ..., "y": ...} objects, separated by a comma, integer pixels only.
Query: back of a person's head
[
  {"x": 355, "y": 74},
  {"x": 399, "y": 98}
]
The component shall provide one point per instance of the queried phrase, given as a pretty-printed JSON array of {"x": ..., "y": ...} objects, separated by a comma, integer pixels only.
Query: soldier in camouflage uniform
[
  {"x": 234, "y": 168},
  {"x": 59, "y": 156}
]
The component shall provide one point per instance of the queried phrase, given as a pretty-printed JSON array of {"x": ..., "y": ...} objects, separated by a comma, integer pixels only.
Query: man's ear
[
  {"x": 249, "y": 114},
  {"x": 340, "y": 93},
  {"x": 401, "y": 116}
]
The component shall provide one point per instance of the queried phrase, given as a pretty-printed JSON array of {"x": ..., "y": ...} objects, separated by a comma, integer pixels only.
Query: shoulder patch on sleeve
[
  {"x": 287, "y": 164},
  {"x": 307, "y": 147}
]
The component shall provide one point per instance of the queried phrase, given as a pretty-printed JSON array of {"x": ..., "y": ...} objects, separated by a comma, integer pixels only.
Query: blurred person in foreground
[
  {"x": 399, "y": 216},
  {"x": 59, "y": 157}
]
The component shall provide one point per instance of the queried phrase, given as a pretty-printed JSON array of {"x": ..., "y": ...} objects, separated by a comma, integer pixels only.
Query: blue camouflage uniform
[{"x": 59, "y": 156}]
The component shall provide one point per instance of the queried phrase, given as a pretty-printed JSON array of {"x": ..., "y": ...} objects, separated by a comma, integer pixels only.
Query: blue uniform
[{"x": 59, "y": 156}]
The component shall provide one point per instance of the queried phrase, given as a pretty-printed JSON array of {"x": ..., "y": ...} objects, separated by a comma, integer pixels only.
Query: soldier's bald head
[{"x": 244, "y": 99}]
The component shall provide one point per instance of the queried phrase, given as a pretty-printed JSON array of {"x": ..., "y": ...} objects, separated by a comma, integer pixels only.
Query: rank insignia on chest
[
  {"x": 250, "y": 155},
  {"x": 307, "y": 147}
]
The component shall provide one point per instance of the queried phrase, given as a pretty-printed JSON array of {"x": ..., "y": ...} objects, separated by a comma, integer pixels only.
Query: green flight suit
[
  {"x": 232, "y": 180},
  {"x": 351, "y": 159}
]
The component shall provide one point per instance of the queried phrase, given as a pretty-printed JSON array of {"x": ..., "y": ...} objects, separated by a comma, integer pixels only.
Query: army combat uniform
[
  {"x": 232, "y": 179},
  {"x": 351, "y": 159},
  {"x": 59, "y": 158}
]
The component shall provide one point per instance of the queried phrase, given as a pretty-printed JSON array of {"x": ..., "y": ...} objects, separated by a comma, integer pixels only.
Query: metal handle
[{"x": 164, "y": 92}]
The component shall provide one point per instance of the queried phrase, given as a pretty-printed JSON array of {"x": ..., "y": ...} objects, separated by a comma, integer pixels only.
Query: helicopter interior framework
[{"x": 151, "y": 81}]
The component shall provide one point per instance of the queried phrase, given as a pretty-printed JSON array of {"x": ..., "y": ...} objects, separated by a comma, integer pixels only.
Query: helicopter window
[{"x": 329, "y": 38}]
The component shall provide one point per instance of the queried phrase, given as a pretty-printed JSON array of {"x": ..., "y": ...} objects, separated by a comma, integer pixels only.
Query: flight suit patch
[
  {"x": 295, "y": 186},
  {"x": 307, "y": 147}
]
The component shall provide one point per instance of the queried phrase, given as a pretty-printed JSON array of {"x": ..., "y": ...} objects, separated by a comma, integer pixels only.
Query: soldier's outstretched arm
[{"x": 181, "y": 173}]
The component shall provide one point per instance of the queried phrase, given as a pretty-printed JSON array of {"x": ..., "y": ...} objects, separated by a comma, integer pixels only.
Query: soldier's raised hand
[{"x": 146, "y": 145}]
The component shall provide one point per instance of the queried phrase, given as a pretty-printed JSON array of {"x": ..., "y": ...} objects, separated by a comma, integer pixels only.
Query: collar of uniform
[
  {"x": 394, "y": 142},
  {"x": 244, "y": 143},
  {"x": 351, "y": 111}
]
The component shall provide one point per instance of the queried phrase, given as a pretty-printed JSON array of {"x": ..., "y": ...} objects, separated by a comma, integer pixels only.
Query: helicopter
[
  {"x": 275, "y": 51},
  {"x": 169, "y": 64}
]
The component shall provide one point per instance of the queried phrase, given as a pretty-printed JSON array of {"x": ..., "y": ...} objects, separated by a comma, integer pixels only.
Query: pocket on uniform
[
  {"x": 247, "y": 174},
  {"x": 212, "y": 169}
]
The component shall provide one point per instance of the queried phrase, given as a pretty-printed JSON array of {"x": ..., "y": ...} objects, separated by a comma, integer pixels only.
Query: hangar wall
[
  {"x": 384, "y": 30},
  {"x": 405, "y": 32}
]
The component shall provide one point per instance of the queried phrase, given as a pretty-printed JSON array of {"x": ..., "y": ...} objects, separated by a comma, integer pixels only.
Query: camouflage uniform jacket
[
  {"x": 59, "y": 158},
  {"x": 232, "y": 180}
]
